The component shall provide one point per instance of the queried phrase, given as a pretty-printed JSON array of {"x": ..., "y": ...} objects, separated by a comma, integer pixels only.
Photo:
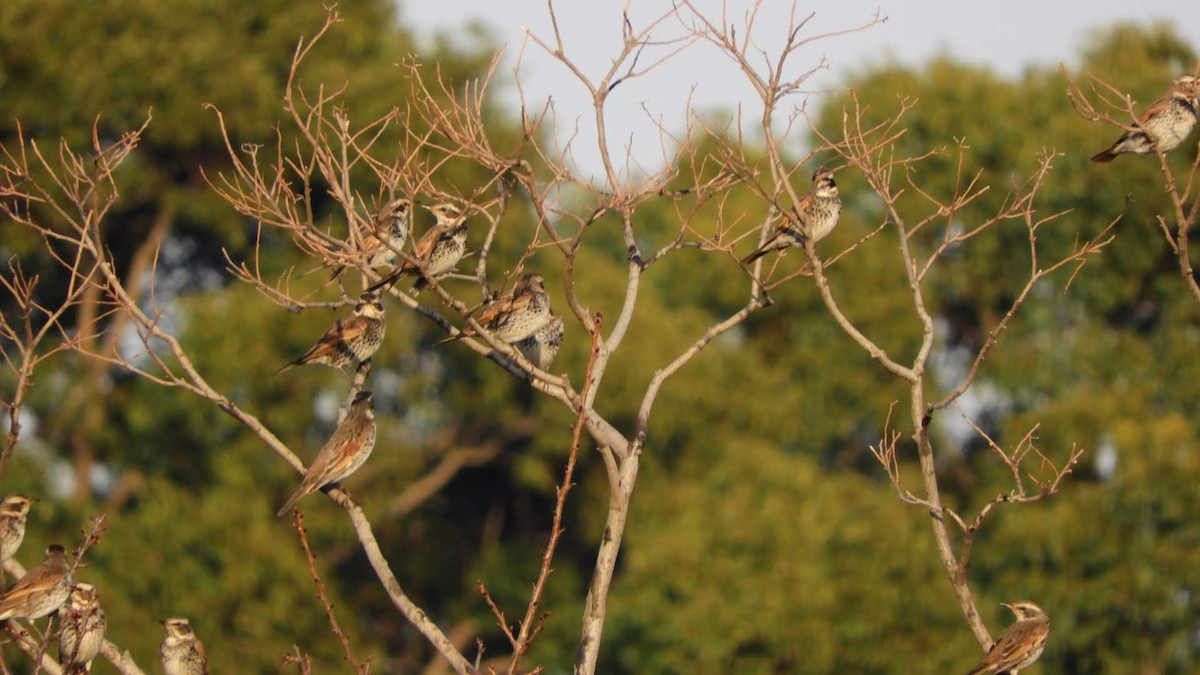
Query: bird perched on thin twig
[
  {"x": 181, "y": 652},
  {"x": 41, "y": 591},
  {"x": 1165, "y": 123},
  {"x": 13, "y": 512},
  {"x": 438, "y": 251},
  {"x": 83, "y": 627},
  {"x": 517, "y": 315},
  {"x": 543, "y": 346},
  {"x": 381, "y": 246},
  {"x": 352, "y": 340},
  {"x": 1020, "y": 644},
  {"x": 345, "y": 451},
  {"x": 815, "y": 216}
]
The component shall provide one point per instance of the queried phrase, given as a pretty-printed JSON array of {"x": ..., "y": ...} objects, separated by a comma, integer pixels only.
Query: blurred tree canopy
[{"x": 765, "y": 539}]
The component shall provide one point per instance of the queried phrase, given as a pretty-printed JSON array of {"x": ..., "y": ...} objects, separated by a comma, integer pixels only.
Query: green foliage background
[{"x": 763, "y": 538}]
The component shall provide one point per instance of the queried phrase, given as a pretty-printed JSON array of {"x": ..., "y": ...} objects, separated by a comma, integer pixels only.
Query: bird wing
[
  {"x": 500, "y": 308},
  {"x": 421, "y": 251},
  {"x": 37, "y": 580},
  {"x": 345, "y": 331},
  {"x": 1015, "y": 644},
  {"x": 338, "y": 453},
  {"x": 201, "y": 656},
  {"x": 1154, "y": 109},
  {"x": 425, "y": 246},
  {"x": 802, "y": 207},
  {"x": 332, "y": 461}
]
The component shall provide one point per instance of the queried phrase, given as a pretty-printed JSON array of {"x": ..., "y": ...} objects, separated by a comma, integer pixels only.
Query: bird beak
[
  {"x": 163, "y": 621},
  {"x": 1005, "y": 604}
]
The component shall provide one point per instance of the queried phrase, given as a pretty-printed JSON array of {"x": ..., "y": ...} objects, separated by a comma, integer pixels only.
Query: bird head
[
  {"x": 83, "y": 594},
  {"x": 446, "y": 213},
  {"x": 823, "y": 183},
  {"x": 369, "y": 306},
  {"x": 364, "y": 399},
  {"x": 16, "y": 505},
  {"x": 531, "y": 282},
  {"x": 397, "y": 213},
  {"x": 1026, "y": 610},
  {"x": 177, "y": 627}
]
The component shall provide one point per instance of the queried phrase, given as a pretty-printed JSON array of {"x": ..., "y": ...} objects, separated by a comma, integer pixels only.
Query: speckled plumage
[
  {"x": 517, "y": 315},
  {"x": 13, "y": 512},
  {"x": 181, "y": 652},
  {"x": 351, "y": 340},
  {"x": 1166, "y": 123},
  {"x": 1020, "y": 644},
  {"x": 815, "y": 216},
  {"x": 41, "y": 591},
  {"x": 543, "y": 346},
  {"x": 345, "y": 451},
  {"x": 380, "y": 247},
  {"x": 439, "y": 250},
  {"x": 83, "y": 628}
]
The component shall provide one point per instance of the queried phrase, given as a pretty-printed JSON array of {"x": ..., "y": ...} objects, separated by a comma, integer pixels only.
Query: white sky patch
[{"x": 998, "y": 35}]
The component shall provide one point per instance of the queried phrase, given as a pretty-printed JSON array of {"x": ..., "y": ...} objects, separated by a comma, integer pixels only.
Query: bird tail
[
  {"x": 386, "y": 282},
  {"x": 756, "y": 255},
  {"x": 1104, "y": 157},
  {"x": 461, "y": 334},
  {"x": 771, "y": 245},
  {"x": 287, "y": 506}
]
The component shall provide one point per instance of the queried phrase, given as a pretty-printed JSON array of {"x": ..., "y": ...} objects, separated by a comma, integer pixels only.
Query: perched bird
[
  {"x": 381, "y": 247},
  {"x": 1166, "y": 123},
  {"x": 352, "y": 340},
  {"x": 41, "y": 591},
  {"x": 345, "y": 451},
  {"x": 181, "y": 652},
  {"x": 1020, "y": 644},
  {"x": 13, "y": 511},
  {"x": 817, "y": 214},
  {"x": 517, "y": 315},
  {"x": 439, "y": 250},
  {"x": 542, "y": 347},
  {"x": 83, "y": 626}
]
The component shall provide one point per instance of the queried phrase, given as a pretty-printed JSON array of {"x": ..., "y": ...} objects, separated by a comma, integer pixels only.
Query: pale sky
[{"x": 1003, "y": 35}]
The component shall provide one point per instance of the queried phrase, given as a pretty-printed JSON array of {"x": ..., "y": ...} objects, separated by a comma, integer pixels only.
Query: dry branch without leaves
[
  {"x": 275, "y": 187},
  {"x": 1117, "y": 109}
]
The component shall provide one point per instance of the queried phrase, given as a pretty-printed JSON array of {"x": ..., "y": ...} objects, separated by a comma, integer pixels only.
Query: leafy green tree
[{"x": 764, "y": 537}]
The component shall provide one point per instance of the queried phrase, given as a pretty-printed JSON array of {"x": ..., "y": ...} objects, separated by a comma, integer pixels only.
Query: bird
[
  {"x": 816, "y": 214},
  {"x": 439, "y": 250},
  {"x": 13, "y": 511},
  {"x": 345, "y": 451},
  {"x": 41, "y": 591},
  {"x": 1165, "y": 123},
  {"x": 381, "y": 247},
  {"x": 181, "y": 652},
  {"x": 352, "y": 340},
  {"x": 542, "y": 347},
  {"x": 1020, "y": 644},
  {"x": 83, "y": 626},
  {"x": 517, "y": 315}
]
